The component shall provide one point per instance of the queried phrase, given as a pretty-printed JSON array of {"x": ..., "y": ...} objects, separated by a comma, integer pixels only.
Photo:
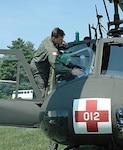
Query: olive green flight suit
[{"x": 45, "y": 57}]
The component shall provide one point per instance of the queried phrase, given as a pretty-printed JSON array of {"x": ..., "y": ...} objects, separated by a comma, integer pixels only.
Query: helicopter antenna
[
  {"x": 99, "y": 24},
  {"x": 89, "y": 27},
  {"x": 106, "y": 10},
  {"x": 95, "y": 30}
]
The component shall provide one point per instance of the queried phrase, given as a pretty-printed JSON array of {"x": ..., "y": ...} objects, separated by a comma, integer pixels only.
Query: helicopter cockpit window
[
  {"x": 112, "y": 60},
  {"x": 79, "y": 56}
]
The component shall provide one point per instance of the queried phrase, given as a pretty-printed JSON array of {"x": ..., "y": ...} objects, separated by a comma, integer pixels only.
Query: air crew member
[{"x": 46, "y": 57}]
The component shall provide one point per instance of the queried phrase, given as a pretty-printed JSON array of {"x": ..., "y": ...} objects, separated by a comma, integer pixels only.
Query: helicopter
[
  {"x": 88, "y": 110},
  {"x": 84, "y": 110}
]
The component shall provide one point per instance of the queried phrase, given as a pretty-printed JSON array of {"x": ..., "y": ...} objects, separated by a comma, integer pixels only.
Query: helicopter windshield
[
  {"x": 112, "y": 61},
  {"x": 80, "y": 56}
]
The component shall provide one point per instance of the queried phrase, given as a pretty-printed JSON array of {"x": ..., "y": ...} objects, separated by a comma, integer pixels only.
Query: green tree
[
  {"x": 8, "y": 67},
  {"x": 26, "y": 47}
]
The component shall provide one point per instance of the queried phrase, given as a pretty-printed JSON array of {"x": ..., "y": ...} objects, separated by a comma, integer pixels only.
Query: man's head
[{"x": 57, "y": 35}]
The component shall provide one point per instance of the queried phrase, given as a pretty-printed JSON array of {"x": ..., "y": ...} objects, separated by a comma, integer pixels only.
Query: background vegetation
[
  {"x": 8, "y": 68},
  {"x": 13, "y": 138}
]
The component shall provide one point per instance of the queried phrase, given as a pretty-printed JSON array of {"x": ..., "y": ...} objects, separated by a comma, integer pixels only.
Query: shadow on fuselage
[{"x": 56, "y": 112}]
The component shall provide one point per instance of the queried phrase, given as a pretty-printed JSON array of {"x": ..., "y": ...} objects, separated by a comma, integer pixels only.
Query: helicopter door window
[
  {"x": 81, "y": 58},
  {"x": 112, "y": 61}
]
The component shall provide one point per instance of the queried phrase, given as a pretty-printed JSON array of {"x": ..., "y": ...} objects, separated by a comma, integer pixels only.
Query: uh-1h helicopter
[
  {"x": 88, "y": 110},
  {"x": 85, "y": 110}
]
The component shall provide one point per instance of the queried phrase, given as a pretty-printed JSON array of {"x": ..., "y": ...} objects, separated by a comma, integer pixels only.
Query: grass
[{"x": 13, "y": 138}]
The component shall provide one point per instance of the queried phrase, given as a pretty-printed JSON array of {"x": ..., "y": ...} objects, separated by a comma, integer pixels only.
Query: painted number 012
[{"x": 91, "y": 116}]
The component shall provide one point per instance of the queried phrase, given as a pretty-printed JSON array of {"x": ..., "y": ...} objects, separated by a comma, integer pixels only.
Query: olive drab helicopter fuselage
[
  {"x": 89, "y": 109},
  {"x": 84, "y": 110}
]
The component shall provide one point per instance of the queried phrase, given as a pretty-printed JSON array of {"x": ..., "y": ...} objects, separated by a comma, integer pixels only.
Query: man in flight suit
[{"x": 47, "y": 56}]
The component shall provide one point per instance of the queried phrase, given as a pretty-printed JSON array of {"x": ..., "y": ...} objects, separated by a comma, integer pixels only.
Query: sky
[{"x": 34, "y": 20}]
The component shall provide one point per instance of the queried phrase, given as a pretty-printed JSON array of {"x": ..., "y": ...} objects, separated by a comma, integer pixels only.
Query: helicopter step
[{"x": 72, "y": 148}]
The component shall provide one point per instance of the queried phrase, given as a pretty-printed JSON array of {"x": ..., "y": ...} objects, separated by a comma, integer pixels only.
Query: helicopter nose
[
  {"x": 55, "y": 125},
  {"x": 56, "y": 112}
]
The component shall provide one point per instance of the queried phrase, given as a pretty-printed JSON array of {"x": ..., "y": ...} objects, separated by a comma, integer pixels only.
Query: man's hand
[
  {"x": 76, "y": 72},
  {"x": 65, "y": 44}
]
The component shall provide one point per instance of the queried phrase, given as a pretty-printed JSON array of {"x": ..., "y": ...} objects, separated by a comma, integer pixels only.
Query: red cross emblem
[{"x": 92, "y": 116}]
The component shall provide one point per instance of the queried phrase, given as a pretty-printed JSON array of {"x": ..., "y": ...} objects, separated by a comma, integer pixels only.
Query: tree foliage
[
  {"x": 26, "y": 47},
  {"x": 8, "y": 68}
]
